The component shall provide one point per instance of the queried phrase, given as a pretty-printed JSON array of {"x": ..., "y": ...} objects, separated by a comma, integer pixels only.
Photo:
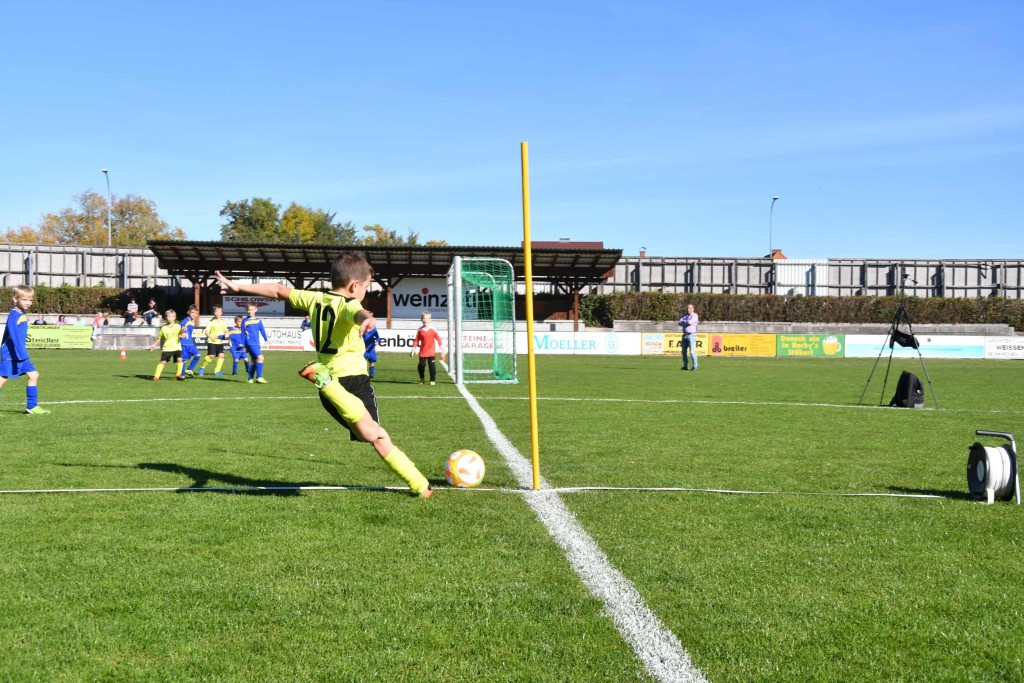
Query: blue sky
[{"x": 888, "y": 129}]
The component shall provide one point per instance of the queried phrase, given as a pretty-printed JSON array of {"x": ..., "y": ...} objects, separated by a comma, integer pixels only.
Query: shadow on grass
[
  {"x": 952, "y": 495},
  {"x": 234, "y": 484}
]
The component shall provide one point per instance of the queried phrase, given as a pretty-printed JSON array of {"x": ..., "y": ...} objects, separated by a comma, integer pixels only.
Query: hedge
[{"x": 601, "y": 309}]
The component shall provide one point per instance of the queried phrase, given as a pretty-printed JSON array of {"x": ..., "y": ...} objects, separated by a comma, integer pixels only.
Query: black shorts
[
  {"x": 169, "y": 356},
  {"x": 360, "y": 387},
  {"x": 214, "y": 349}
]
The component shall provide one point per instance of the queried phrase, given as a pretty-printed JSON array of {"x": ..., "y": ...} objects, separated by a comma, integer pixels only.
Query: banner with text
[
  {"x": 758, "y": 345},
  {"x": 671, "y": 344},
  {"x": 1010, "y": 348},
  {"x": 58, "y": 337},
  {"x": 235, "y": 304},
  {"x": 816, "y": 345}
]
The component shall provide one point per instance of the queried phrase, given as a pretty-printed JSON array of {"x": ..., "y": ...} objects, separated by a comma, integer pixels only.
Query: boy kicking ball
[{"x": 339, "y": 322}]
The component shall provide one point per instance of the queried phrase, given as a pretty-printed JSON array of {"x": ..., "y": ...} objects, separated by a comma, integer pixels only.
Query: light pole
[
  {"x": 771, "y": 213},
  {"x": 107, "y": 176}
]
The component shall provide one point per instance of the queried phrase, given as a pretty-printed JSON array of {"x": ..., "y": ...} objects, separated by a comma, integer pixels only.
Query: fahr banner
[
  {"x": 671, "y": 344},
  {"x": 235, "y": 304}
]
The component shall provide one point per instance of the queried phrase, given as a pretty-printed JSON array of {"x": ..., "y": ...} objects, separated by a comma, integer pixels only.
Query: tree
[
  {"x": 24, "y": 234},
  {"x": 252, "y": 221},
  {"x": 379, "y": 236},
  {"x": 305, "y": 225},
  {"x": 133, "y": 221}
]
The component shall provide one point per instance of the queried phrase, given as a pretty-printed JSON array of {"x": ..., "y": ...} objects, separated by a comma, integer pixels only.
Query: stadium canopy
[{"x": 567, "y": 266}]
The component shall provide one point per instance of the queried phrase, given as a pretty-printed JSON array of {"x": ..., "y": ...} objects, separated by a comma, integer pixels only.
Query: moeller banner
[
  {"x": 760, "y": 345},
  {"x": 818, "y": 345},
  {"x": 56, "y": 337}
]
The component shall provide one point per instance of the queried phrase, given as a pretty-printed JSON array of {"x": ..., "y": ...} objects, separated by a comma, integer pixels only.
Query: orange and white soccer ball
[{"x": 464, "y": 469}]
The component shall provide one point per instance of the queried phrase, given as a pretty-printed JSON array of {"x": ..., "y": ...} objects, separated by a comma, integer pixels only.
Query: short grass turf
[{"x": 373, "y": 585}]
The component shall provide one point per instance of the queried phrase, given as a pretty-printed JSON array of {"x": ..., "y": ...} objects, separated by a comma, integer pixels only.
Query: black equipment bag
[
  {"x": 905, "y": 340},
  {"x": 909, "y": 392}
]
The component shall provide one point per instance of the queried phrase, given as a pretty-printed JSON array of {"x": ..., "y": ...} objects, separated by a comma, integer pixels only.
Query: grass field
[{"x": 369, "y": 584}]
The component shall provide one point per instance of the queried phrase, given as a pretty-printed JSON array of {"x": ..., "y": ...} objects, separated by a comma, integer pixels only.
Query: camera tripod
[{"x": 898, "y": 336}]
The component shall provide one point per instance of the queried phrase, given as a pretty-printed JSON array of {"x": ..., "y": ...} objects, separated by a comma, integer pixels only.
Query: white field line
[
  {"x": 667, "y": 401},
  {"x": 655, "y": 645}
]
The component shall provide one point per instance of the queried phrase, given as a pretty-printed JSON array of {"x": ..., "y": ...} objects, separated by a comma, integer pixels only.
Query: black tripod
[{"x": 897, "y": 336}]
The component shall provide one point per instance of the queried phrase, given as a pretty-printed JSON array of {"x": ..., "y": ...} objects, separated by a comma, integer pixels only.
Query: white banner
[
  {"x": 235, "y": 304},
  {"x": 413, "y": 295},
  {"x": 1004, "y": 348}
]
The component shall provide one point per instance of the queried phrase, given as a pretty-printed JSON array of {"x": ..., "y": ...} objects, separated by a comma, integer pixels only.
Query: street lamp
[
  {"x": 771, "y": 213},
  {"x": 107, "y": 175}
]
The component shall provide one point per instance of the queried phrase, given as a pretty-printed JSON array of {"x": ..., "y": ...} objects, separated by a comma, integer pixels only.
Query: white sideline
[{"x": 657, "y": 647}]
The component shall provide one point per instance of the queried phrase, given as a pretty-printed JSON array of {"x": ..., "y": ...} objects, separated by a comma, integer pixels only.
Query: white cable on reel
[{"x": 992, "y": 472}]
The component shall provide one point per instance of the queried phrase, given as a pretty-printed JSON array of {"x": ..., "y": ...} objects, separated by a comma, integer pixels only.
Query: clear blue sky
[{"x": 888, "y": 129}]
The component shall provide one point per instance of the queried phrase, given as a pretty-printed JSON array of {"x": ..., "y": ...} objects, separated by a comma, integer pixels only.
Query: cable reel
[{"x": 992, "y": 472}]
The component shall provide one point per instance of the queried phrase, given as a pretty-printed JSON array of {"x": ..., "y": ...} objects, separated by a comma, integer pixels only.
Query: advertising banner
[
  {"x": 671, "y": 344},
  {"x": 235, "y": 304},
  {"x": 934, "y": 346},
  {"x": 413, "y": 295},
  {"x": 758, "y": 345},
  {"x": 58, "y": 337},
  {"x": 1004, "y": 348},
  {"x": 814, "y": 345}
]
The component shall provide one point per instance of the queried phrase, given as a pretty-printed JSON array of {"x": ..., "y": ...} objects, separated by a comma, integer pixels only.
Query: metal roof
[{"x": 303, "y": 264}]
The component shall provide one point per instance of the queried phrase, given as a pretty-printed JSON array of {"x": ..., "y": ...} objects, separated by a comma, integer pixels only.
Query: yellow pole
[{"x": 531, "y": 360}]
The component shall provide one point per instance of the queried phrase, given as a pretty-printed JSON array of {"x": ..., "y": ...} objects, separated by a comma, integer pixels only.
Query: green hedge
[
  {"x": 601, "y": 309},
  {"x": 88, "y": 300}
]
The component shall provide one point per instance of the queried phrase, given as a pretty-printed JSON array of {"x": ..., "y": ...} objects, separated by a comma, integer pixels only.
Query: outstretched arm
[{"x": 271, "y": 290}]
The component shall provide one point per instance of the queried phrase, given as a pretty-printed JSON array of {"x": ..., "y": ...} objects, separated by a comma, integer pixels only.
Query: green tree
[
  {"x": 133, "y": 221},
  {"x": 258, "y": 220},
  {"x": 379, "y": 236},
  {"x": 305, "y": 225}
]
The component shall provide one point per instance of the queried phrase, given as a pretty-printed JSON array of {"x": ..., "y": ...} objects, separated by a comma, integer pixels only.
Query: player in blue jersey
[
  {"x": 189, "y": 350},
  {"x": 237, "y": 346},
  {"x": 370, "y": 340},
  {"x": 14, "y": 360},
  {"x": 252, "y": 330}
]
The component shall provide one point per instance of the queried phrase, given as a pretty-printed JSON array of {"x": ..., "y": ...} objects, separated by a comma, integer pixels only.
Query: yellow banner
[
  {"x": 670, "y": 344},
  {"x": 759, "y": 345},
  {"x": 59, "y": 337}
]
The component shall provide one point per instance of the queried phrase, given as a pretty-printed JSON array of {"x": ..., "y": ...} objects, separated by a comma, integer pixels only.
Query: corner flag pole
[{"x": 531, "y": 360}]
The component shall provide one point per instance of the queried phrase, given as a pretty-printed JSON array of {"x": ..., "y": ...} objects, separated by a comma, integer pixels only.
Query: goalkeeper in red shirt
[{"x": 427, "y": 339}]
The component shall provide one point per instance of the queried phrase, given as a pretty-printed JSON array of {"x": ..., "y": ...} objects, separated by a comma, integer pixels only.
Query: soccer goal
[{"x": 482, "y": 321}]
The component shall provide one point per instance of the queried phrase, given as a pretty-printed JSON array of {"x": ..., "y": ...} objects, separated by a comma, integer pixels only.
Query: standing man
[{"x": 689, "y": 323}]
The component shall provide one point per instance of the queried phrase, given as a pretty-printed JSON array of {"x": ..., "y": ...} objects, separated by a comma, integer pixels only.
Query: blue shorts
[
  {"x": 237, "y": 352},
  {"x": 188, "y": 352},
  {"x": 371, "y": 356},
  {"x": 253, "y": 351},
  {"x": 15, "y": 368}
]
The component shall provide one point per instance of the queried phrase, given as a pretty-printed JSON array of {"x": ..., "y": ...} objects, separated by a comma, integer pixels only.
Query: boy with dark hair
[
  {"x": 252, "y": 330},
  {"x": 237, "y": 345},
  {"x": 14, "y": 360},
  {"x": 339, "y": 321}
]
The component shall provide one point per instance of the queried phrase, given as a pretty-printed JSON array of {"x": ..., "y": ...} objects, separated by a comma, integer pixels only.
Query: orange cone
[{"x": 124, "y": 356}]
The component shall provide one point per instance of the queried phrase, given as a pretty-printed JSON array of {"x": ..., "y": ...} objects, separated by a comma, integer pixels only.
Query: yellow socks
[
  {"x": 401, "y": 465},
  {"x": 179, "y": 365},
  {"x": 219, "y": 365},
  {"x": 159, "y": 369}
]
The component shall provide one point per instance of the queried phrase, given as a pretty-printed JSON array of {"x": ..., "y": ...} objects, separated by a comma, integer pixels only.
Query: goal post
[{"x": 481, "y": 321}]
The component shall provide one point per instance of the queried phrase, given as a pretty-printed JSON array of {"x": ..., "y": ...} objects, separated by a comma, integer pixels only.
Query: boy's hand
[
  {"x": 369, "y": 322},
  {"x": 225, "y": 283},
  {"x": 412, "y": 353}
]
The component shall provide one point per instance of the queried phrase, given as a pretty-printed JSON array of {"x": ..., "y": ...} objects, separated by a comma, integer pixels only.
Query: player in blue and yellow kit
[
  {"x": 252, "y": 330},
  {"x": 216, "y": 330},
  {"x": 189, "y": 350},
  {"x": 339, "y": 321},
  {"x": 169, "y": 341},
  {"x": 370, "y": 340},
  {"x": 237, "y": 346},
  {"x": 14, "y": 360}
]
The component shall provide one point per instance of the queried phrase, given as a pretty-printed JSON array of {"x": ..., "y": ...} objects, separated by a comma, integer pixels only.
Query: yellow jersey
[{"x": 335, "y": 331}]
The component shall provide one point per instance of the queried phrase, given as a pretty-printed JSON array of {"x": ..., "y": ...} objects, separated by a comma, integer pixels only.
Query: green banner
[
  {"x": 59, "y": 337},
  {"x": 817, "y": 345}
]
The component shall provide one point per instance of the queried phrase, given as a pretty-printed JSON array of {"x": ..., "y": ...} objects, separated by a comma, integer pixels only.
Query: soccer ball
[{"x": 464, "y": 469}]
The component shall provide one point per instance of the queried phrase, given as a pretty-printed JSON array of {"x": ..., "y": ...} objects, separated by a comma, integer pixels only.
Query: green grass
[{"x": 371, "y": 584}]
